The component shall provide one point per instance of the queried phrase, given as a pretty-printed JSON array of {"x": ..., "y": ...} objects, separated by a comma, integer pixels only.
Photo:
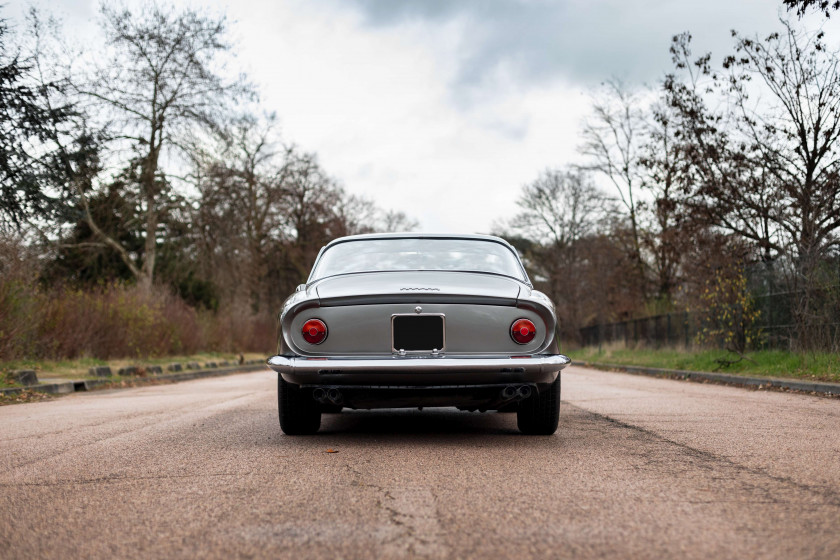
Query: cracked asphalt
[{"x": 640, "y": 467}]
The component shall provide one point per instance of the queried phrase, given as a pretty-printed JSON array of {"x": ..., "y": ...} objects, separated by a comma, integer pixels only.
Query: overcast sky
[{"x": 444, "y": 109}]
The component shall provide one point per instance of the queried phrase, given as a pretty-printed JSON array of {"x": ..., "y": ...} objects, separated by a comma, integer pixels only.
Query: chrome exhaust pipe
[
  {"x": 335, "y": 396},
  {"x": 319, "y": 395},
  {"x": 524, "y": 392},
  {"x": 509, "y": 392}
]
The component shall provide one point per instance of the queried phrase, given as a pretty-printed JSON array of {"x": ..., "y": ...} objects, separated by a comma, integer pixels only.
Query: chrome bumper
[{"x": 538, "y": 364}]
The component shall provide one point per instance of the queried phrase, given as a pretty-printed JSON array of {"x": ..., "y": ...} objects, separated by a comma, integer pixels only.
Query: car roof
[{"x": 412, "y": 235}]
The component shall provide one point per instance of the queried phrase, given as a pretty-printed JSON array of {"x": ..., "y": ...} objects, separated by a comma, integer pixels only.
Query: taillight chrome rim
[{"x": 523, "y": 331}]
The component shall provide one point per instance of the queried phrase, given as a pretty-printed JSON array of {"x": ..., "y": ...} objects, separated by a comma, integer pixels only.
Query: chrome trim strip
[{"x": 413, "y": 364}]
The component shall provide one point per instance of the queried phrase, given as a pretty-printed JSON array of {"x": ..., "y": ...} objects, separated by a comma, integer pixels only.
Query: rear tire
[
  {"x": 300, "y": 414},
  {"x": 539, "y": 414}
]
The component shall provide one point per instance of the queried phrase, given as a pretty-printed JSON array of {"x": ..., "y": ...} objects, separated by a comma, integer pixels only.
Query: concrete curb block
[
  {"x": 92, "y": 384},
  {"x": 823, "y": 388},
  {"x": 26, "y": 377}
]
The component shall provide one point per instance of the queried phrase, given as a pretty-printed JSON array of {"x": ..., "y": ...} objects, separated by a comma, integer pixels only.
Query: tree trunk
[
  {"x": 144, "y": 281},
  {"x": 148, "y": 175},
  {"x": 147, "y": 272}
]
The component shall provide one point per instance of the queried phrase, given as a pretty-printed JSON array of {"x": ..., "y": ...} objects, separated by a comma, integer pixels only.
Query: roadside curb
[
  {"x": 65, "y": 387},
  {"x": 820, "y": 387}
]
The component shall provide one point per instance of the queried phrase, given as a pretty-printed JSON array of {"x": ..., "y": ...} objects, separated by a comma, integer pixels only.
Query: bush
[
  {"x": 728, "y": 314},
  {"x": 116, "y": 321}
]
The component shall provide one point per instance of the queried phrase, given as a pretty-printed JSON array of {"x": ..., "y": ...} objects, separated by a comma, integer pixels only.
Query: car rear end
[
  {"x": 412, "y": 340},
  {"x": 415, "y": 338}
]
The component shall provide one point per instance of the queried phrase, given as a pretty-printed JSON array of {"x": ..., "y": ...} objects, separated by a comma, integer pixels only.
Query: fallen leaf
[{"x": 332, "y": 451}]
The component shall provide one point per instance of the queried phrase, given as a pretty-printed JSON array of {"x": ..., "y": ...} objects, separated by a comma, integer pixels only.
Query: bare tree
[
  {"x": 265, "y": 210},
  {"x": 801, "y": 7},
  {"x": 242, "y": 194},
  {"x": 359, "y": 214},
  {"x": 796, "y": 137},
  {"x": 354, "y": 214},
  {"x": 767, "y": 171},
  {"x": 725, "y": 187},
  {"x": 393, "y": 220},
  {"x": 560, "y": 210},
  {"x": 613, "y": 139},
  {"x": 669, "y": 226},
  {"x": 159, "y": 77},
  {"x": 559, "y": 207},
  {"x": 46, "y": 147}
]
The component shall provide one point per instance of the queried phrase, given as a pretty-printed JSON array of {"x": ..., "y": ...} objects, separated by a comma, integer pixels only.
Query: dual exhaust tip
[
  {"x": 518, "y": 392},
  {"x": 334, "y": 396},
  {"x": 324, "y": 396}
]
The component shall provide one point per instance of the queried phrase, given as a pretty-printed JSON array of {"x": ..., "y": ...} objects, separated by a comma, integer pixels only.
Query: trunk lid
[{"x": 423, "y": 286}]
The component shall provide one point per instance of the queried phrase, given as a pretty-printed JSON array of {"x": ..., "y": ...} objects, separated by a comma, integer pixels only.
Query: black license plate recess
[{"x": 417, "y": 333}]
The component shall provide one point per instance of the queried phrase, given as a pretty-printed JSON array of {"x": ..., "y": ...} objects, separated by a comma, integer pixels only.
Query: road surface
[{"x": 640, "y": 467}]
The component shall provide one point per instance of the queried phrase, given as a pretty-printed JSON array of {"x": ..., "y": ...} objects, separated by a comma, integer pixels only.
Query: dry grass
[
  {"x": 25, "y": 397},
  {"x": 821, "y": 366},
  {"x": 116, "y": 321}
]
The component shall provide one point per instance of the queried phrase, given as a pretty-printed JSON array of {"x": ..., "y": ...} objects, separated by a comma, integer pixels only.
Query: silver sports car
[{"x": 413, "y": 320}]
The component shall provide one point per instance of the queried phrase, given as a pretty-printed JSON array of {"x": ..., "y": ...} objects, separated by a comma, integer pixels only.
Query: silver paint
[{"x": 358, "y": 309}]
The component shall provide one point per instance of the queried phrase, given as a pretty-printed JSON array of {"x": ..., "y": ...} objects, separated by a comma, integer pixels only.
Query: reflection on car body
[{"x": 410, "y": 320}]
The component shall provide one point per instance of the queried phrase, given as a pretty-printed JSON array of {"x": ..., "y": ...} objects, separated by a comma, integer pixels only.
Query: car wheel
[
  {"x": 539, "y": 414},
  {"x": 299, "y": 412}
]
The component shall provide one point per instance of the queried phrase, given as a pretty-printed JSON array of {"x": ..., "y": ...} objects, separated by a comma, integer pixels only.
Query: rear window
[{"x": 372, "y": 255}]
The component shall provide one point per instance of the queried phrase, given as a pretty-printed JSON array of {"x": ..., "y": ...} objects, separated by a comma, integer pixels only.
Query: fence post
[
  {"x": 685, "y": 325},
  {"x": 668, "y": 333}
]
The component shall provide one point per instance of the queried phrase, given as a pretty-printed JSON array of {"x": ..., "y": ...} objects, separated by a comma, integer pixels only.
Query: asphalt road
[{"x": 640, "y": 468}]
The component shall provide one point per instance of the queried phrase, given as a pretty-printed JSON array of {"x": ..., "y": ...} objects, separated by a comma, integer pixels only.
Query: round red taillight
[
  {"x": 523, "y": 331},
  {"x": 314, "y": 331}
]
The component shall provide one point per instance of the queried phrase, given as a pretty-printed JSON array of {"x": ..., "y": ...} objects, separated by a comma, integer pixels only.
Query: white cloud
[
  {"x": 377, "y": 107},
  {"x": 444, "y": 109}
]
